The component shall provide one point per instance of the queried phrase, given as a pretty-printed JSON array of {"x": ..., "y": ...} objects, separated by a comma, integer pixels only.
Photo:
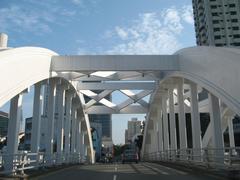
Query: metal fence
[
  {"x": 18, "y": 163},
  {"x": 227, "y": 158}
]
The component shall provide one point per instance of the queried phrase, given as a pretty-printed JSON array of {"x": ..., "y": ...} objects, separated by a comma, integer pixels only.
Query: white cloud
[
  {"x": 152, "y": 33},
  {"x": 121, "y": 33},
  {"x": 187, "y": 14},
  {"x": 172, "y": 20},
  {"x": 77, "y": 2},
  {"x": 35, "y": 16},
  {"x": 16, "y": 18},
  {"x": 82, "y": 51}
]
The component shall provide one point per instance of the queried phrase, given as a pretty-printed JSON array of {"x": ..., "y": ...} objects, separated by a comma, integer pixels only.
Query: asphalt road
[{"x": 141, "y": 171}]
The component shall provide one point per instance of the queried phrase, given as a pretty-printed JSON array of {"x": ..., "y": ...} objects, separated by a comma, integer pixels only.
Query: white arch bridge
[{"x": 192, "y": 81}]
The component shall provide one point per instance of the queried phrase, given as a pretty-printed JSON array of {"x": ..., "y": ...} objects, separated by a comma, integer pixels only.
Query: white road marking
[
  {"x": 115, "y": 168},
  {"x": 114, "y": 177},
  {"x": 172, "y": 169},
  {"x": 156, "y": 169}
]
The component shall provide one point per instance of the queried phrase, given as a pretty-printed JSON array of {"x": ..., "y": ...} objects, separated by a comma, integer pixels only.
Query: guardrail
[
  {"x": 23, "y": 161},
  {"x": 209, "y": 157}
]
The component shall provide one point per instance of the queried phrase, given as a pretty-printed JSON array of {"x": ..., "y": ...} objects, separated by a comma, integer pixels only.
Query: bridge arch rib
[
  {"x": 215, "y": 69},
  {"x": 24, "y": 67},
  {"x": 211, "y": 68},
  {"x": 21, "y": 68}
]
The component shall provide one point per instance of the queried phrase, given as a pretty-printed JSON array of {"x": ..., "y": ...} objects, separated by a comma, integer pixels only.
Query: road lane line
[
  {"x": 156, "y": 169},
  {"x": 114, "y": 177},
  {"x": 169, "y": 168}
]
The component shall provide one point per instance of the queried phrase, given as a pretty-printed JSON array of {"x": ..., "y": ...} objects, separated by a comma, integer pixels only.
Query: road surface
[{"x": 141, "y": 171}]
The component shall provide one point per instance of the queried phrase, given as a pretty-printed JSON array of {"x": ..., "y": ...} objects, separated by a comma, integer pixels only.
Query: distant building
[
  {"x": 28, "y": 129},
  {"x": 134, "y": 127},
  {"x": 104, "y": 119},
  {"x": 217, "y": 22},
  {"x": 3, "y": 124},
  {"x": 126, "y": 136},
  {"x": 107, "y": 146},
  {"x": 28, "y": 133},
  {"x": 96, "y": 129},
  {"x": 107, "y": 142}
]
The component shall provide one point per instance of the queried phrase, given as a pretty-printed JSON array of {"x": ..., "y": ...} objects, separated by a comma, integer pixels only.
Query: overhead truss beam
[
  {"x": 115, "y": 63},
  {"x": 116, "y": 85},
  {"x": 134, "y": 109}
]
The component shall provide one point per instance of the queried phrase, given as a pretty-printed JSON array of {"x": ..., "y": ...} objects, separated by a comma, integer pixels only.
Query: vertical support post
[
  {"x": 78, "y": 134},
  {"x": 36, "y": 119},
  {"x": 181, "y": 119},
  {"x": 3, "y": 40},
  {"x": 173, "y": 138},
  {"x": 165, "y": 123},
  {"x": 153, "y": 134},
  {"x": 195, "y": 121},
  {"x": 60, "y": 122},
  {"x": 13, "y": 131},
  {"x": 73, "y": 129},
  {"x": 43, "y": 130},
  {"x": 50, "y": 120},
  {"x": 81, "y": 143},
  {"x": 68, "y": 105},
  {"x": 217, "y": 136},
  {"x": 45, "y": 100},
  {"x": 231, "y": 133},
  {"x": 160, "y": 128},
  {"x": 83, "y": 146}
]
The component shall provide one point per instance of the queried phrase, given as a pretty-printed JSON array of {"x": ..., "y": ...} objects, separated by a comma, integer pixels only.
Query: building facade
[
  {"x": 126, "y": 136},
  {"x": 217, "y": 22},
  {"x": 104, "y": 119},
  {"x": 3, "y": 124},
  {"x": 28, "y": 133},
  {"x": 96, "y": 130},
  {"x": 134, "y": 128}
]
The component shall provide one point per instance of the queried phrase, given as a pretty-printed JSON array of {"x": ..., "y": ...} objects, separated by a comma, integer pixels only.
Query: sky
[{"x": 79, "y": 27}]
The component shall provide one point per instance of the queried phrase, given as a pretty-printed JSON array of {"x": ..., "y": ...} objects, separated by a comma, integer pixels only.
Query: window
[
  {"x": 233, "y": 12},
  {"x": 213, "y": 7},
  {"x": 217, "y": 37},
  {"x": 236, "y": 36},
  {"x": 235, "y": 28},
  {"x": 214, "y": 14},
  {"x": 215, "y": 21},
  {"x": 231, "y": 5},
  {"x": 234, "y": 20},
  {"x": 216, "y": 29},
  {"x": 236, "y": 44}
]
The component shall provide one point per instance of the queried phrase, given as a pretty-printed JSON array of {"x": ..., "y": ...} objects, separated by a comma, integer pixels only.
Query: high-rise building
[
  {"x": 3, "y": 124},
  {"x": 96, "y": 130},
  {"x": 134, "y": 128},
  {"x": 104, "y": 119},
  {"x": 28, "y": 133},
  {"x": 126, "y": 136},
  {"x": 217, "y": 22}
]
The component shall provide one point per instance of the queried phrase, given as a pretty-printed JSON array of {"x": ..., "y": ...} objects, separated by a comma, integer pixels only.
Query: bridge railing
[
  {"x": 216, "y": 158},
  {"x": 18, "y": 163}
]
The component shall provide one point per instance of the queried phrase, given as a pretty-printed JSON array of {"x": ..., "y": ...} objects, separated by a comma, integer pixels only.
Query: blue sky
[{"x": 99, "y": 27}]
